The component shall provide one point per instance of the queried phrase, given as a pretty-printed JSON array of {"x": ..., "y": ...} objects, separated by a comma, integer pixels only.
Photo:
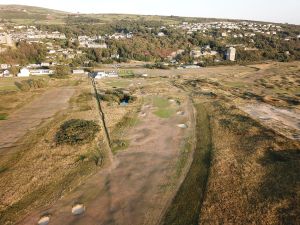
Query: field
[
  {"x": 36, "y": 15},
  {"x": 216, "y": 145}
]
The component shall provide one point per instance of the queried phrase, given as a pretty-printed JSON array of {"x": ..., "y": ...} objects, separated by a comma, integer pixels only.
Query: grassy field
[
  {"x": 253, "y": 165},
  {"x": 164, "y": 107},
  {"x": 29, "y": 14}
]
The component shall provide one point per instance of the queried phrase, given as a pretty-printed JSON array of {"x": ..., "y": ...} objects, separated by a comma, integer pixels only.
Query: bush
[
  {"x": 116, "y": 95},
  {"x": 27, "y": 85},
  {"x": 61, "y": 72},
  {"x": 76, "y": 131}
]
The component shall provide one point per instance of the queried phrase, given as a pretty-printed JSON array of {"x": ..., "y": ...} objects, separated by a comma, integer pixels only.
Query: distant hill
[
  {"x": 36, "y": 15},
  {"x": 30, "y": 14},
  {"x": 22, "y": 14}
]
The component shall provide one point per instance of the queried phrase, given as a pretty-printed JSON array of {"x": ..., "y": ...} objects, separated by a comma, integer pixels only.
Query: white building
[
  {"x": 38, "y": 72},
  {"x": 78, "y": 71},
  {"x": 5, "y": 66},
  {"x": 24, "y": 72},
  {"x": 6, "y": 73},
  {"x": 102, "y": 74},
  {"x": 160, "y": 34},
  {"x": 230, "y": 54}
]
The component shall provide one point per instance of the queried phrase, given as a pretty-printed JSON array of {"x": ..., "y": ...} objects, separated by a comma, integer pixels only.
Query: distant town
[{"x": 242, "y": 33}]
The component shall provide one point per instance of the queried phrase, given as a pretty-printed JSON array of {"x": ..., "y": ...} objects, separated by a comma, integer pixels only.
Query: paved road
[{"x": 31, "y": 115}]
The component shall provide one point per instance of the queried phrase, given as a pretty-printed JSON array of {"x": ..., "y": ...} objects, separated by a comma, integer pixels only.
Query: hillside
[
  {"x": 36, "y": 15},
  {"x": 30, "y": 14}
]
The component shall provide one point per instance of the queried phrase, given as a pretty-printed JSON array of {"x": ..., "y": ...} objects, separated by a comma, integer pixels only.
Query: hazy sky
[{"x": 263, "y": 10}]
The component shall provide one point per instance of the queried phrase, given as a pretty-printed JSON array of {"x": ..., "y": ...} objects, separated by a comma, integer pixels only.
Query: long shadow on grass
[
  {"x": 281, "y": 183},
  {"x": 185, "y": 207}
]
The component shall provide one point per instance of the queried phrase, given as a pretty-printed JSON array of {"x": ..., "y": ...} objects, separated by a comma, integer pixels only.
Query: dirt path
[
  {"x": 133, "y": 191},
  {"x": 31, "y": 115},
  {"x": 284, "y": 121}
]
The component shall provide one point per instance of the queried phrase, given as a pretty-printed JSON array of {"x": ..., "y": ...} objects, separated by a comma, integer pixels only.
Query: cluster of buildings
[
  {"x": 26, "y": 72},
  {"x": 199, "y": 53},
  {"x": 31, "y": 33},
  {"x": 233, "y": 29},
  {"x": 202, "y": 52}
]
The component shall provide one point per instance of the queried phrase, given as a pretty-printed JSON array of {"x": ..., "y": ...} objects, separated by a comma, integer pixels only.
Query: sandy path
[
  {"x": 131, "y": 192},
  {"x": 284, "y": 121},
  {"x": 32, "y": 114}
]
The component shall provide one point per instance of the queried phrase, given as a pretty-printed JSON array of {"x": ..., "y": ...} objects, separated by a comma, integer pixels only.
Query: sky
[{"x": 283, "y": 11}]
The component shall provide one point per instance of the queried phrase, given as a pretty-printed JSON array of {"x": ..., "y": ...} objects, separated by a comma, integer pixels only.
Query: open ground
[{"x": 215, "y": 145}]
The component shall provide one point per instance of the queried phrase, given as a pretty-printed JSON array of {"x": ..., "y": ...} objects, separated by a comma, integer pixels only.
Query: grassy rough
[
  {"x": 27, "y": 85},
  {"x": 185, "y": 207},
  {"x": 3, "y": 116}
]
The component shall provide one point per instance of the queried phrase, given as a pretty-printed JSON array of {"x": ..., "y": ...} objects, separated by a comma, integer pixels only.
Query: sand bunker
[
  {"x": 78, "y": 209},
  {"x": 183, "y": 126},
  {"x": 44, "y": 220},
  {"x": 143, "y": 114},
  {"x": 180, "y": 113},
  {"x": 283, "y": 120}
]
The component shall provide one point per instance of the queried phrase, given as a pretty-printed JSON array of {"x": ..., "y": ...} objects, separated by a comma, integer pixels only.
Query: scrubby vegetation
[
  {"x": 117, "y": 95},
  {"x": 27, "y": 85},
  {"x": 61, "y": 72},
  {"x": 24, "y": 53},
  {"x": 3, "y": 116},
  {"x": 76, "y": 131}
]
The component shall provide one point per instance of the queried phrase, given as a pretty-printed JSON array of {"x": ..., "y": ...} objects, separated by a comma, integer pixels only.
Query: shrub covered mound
[
  {"x": 26, "y": 85},
  {"x": 76, "y": 131},
  {"x": 117, "y": 95}
]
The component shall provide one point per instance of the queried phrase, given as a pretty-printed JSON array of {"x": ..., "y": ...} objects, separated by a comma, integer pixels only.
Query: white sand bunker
[
  {"x": 143, "y": 114},
  {"x": 180, "y": 113},
  {"x": 44, "y": 220},
  {"x": 183, "y": 126},
  {"x": 172, "y": 100},
  {"x": 78, "y": 209}
]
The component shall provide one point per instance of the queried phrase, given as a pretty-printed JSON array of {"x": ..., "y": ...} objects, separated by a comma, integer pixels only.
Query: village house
[
  {"x": 39, "y": 72},
  {"x": 24, "y": 72},
  {"x": 5, "y": 66},
  {"x": 160, "y": 34},
  {"x": 230, "y": 54},
  {"x": 6, "y": 73},
  {"x": 103, "y": 74},
  {"x": 79, "y": 71}
]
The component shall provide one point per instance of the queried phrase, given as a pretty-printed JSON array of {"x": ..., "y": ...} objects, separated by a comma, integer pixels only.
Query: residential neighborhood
[{"x": 83, "y": 50}]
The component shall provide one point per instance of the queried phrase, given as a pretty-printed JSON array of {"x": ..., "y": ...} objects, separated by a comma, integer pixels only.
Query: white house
[
  {"x": 24, "y": 72},
  {"x": 78, "y": 71},
  {"x": 38, "y": 72},
  {"x": 4, "y": 66},
  {"x": 160, "y": 34},
  {"x": 45, "y": 64},
  {"x": 6, "y": 73},
  {"x": 230, "y": 54},
  {"x": 102, "y": 74}
]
